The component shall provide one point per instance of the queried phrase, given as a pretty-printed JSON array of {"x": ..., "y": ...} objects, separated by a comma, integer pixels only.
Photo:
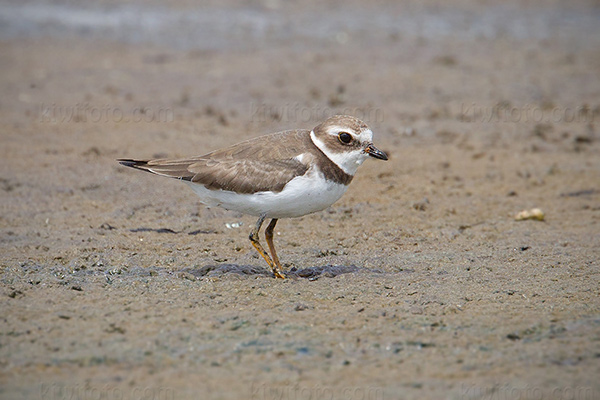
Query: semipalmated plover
[{"x": 282, "y": 175}]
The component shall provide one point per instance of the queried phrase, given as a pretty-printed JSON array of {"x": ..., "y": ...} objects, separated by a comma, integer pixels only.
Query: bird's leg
[
  {"x": 256, "y": 243},
  {"x": 269, "y": 237}
]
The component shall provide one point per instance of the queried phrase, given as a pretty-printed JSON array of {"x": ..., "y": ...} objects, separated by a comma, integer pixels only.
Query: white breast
[{"x": 302, "y": 195}]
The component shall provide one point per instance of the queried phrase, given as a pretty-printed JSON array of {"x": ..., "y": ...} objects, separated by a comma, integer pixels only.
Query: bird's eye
[{"x": 345, "y": 137}]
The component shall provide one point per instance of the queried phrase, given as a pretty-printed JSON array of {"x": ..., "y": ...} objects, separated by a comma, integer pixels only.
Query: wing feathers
[{"x": 257, "y": 165}]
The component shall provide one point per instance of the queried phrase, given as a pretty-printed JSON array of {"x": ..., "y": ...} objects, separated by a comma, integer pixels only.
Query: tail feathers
[
  {"x": 171, "y": 169},
  {"x": 138, "y": 164}
]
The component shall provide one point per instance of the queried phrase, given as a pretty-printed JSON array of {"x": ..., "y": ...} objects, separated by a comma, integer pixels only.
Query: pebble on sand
[{"x": 535, "y": 214}]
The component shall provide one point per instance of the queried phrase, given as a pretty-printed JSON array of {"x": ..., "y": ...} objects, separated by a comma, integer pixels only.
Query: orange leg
[
  {"x": 256, "y": 243},
  {"x": 269, "y": 237}
]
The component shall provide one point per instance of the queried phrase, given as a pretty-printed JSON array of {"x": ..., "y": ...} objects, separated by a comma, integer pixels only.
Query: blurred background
[
  {"x": 118, "y": 284},
  {"x": 274, "y": 60}
]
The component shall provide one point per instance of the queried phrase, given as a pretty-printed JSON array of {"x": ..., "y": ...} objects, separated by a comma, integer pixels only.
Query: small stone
[
  {"x": 416, "y": 310},
  {"x": 421, "y": 205},
  {"x": 187, "y": 275},
  {"x": 534, "y": 214}
]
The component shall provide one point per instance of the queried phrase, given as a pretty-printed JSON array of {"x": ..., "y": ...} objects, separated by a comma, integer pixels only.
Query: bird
[{"x": 286, "y": 174}]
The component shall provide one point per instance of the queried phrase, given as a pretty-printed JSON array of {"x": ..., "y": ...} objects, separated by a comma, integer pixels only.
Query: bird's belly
[{"x": 302, "y": 195}]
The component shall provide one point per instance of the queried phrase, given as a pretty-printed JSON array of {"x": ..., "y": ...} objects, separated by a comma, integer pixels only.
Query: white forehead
[{"x": 364, "y": 135}]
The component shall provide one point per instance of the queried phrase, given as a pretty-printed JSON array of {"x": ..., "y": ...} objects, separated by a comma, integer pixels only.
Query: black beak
[{"x": 375, "y": 152}]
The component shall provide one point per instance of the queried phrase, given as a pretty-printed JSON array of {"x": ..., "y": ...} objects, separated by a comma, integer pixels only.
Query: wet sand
[{"x": 418, "y": 283}]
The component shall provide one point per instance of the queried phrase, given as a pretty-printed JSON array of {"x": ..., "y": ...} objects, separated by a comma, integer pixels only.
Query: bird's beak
[{"x": 375, "y": 152}]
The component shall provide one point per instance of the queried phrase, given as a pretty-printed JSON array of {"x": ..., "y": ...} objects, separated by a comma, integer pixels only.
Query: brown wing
[{"x": 260, "y": 164}]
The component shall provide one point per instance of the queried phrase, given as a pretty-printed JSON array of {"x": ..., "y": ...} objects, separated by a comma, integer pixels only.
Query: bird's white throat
[{"x": 348, "y": 161}]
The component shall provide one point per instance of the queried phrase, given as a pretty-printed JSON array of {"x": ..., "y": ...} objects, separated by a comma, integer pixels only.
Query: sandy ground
[{"x": 417, "y": 284}]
